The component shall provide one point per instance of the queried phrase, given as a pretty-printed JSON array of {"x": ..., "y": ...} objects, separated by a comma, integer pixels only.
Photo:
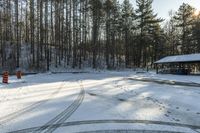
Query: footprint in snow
[
  {"x": 176, "y": 119},
  {"x": 169, "y": 112},
  {"x": 121, "y": 99},
  {"x": 177, "y": 107},
  {"x": 188, "y": 109},
  {"x": 166, "y": 115},
  {"x": 198, "y": 113}
]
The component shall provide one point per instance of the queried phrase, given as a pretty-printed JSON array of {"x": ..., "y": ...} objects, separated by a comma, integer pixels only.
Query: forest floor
[{"x": 100, "y": 102}]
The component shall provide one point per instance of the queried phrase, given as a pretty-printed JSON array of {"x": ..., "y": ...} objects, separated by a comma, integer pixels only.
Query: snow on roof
[{"x": 180, "y": 58}]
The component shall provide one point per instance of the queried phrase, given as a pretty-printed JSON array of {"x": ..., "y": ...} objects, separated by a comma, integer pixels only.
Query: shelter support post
[{"x": 156, "y": 68}]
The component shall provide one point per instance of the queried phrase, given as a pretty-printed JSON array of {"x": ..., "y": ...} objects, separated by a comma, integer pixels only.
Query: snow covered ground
[
  {"x": 181, "y": 78},
  {"x": 99, "y": 102}
]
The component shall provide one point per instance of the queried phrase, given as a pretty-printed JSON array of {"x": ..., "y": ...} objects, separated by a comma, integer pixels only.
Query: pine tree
[
  {"x": 184, "y": 21},
  {"x": 146, "y": 17},
  {"x": 115, "y": 31},
  {"x": 32, "y": 30},
  {"x": 17, "y": 30},
  {"x": 108, "y": 5},
  {"x": 96, "y": 11},
  {"x": 171, "y": 35},
  {"x": 128, "y": 17},
  {"x": 196, "y": 34},
  {"x": 157, "y": 41}
]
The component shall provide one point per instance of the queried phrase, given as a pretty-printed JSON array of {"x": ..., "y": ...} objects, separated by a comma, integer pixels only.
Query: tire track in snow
[
  {"x": 63, "y": 116},
  {"x": 129, "y": 131},
  {"x": 29, "y": 108},
  {"x": 53, "y": 126},
  {"x": 115, "y": 121}
]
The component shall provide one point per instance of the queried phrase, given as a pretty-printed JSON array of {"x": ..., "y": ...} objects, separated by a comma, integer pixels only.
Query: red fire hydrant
[{"x": 5, "y": 77}]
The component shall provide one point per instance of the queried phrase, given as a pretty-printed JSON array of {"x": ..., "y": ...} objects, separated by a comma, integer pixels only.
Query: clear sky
[{"x": 162, "y": 7}]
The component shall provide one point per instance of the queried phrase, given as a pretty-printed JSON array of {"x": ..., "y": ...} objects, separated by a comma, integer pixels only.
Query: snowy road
[{"x": 97, "y": 102}]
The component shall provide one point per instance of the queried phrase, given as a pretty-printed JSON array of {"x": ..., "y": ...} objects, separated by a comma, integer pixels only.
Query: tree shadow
[{"x": 135, "y": 100}]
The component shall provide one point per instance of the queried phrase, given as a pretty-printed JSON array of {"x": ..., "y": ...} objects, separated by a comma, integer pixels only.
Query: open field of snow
[{"x": 99, "y": 102}]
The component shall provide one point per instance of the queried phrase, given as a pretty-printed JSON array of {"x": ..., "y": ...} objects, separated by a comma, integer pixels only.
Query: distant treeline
[{"x": 39, "y": 34}]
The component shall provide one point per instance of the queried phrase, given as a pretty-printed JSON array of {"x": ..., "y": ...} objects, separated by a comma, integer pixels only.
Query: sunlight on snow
[{"x": 149, "y": 113}]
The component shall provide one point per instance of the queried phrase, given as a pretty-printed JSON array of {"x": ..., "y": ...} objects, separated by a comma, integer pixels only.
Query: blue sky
[{"x": 162, "y": 7}]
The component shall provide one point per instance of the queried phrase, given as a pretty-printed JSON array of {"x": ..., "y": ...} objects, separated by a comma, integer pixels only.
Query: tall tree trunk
[
  {"x": 32, "y": 27},
  {"x": 17, "y": 30},
  {"x": 46, "y": 36}
]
